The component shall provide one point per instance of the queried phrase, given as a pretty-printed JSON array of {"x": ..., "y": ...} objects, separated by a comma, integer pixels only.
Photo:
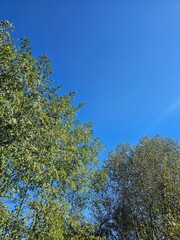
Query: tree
[
  {"x": 46, "y": 154},
  {"x": 140, "y": 199}
]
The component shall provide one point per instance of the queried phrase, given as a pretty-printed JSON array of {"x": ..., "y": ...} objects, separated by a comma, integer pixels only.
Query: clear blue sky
[{"x": 121, "y": 56}]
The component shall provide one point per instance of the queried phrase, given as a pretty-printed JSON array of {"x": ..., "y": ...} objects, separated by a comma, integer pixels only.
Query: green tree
[
  {"x": 140, "y": 199},
  {"x": 46, "y": 155}
]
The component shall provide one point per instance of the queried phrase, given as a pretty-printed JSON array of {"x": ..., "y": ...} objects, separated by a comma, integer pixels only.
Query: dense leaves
[
  {"x": 47, "y": 156},
  {"x": 140, "y": 199}
]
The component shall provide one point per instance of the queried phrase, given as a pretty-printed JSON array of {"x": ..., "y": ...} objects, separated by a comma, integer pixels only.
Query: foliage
[
  {"x": 140, "y": 199},
  {"x": 47, "y": 156}
]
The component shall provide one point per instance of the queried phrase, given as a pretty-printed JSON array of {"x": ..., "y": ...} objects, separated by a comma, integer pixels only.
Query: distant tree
[
  {"x": 48, "y": 158},
  {"x": 140, "y": 199}
]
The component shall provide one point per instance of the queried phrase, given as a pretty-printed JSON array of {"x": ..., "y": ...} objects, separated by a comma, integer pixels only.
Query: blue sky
[{"x": 121, "y": 56}]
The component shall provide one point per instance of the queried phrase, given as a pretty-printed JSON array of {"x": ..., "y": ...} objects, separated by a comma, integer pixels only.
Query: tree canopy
[
  {"x": 48, "y": 157},
  {"x": 140, "y": 199}
]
